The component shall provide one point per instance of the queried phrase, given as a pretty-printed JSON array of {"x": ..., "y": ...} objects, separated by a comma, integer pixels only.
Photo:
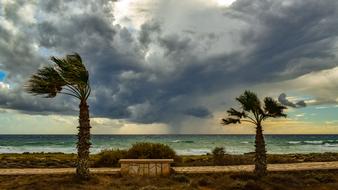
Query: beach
[{"x": 194, "y": 168}]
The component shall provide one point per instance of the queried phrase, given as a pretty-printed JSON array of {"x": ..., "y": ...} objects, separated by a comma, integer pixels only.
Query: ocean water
[{"x": 182, "y": 144}]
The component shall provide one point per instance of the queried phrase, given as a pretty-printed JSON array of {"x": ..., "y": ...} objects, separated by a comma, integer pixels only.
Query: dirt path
[
  {"x": 197, "y": 169},
  {"x": 271, "y": 167},
  {"x": 33, "y": 171}
]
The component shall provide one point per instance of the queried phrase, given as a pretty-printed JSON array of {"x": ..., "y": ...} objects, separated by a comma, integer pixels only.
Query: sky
[{"x": 172, "y": 66}]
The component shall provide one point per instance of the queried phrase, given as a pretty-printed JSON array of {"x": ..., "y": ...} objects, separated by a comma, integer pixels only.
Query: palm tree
[
  {"x": 253, "y": 112},
  {"x": 68, "y": 76}
]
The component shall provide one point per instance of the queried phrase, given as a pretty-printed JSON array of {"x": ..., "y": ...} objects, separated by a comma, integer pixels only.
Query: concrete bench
[{"x": 146, "y": 167}]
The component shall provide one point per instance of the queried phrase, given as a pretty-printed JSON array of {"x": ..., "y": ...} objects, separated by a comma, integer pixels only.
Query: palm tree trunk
[
  {"x": 83, "y": 145},
  {"x": 260, "y": 153}
]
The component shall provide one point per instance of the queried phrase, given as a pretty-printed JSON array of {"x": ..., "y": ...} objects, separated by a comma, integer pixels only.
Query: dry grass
[
  {"x": 207, "y": 160},
  {"x": 315, "y": 180}
]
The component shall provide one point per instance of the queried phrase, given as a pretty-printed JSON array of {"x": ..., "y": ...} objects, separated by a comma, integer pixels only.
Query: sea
[{"x": 182, "y": 144}]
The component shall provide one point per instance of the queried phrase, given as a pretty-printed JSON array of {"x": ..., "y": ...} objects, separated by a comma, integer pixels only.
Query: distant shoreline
[
  {"x": 60, "y": 160},
  {"x": 187, "y": 134}
]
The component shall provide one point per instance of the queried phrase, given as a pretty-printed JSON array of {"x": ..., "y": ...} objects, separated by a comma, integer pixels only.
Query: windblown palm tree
[
  {"x": 253, "y": 112},
  {"x": 68, "y": 76}
]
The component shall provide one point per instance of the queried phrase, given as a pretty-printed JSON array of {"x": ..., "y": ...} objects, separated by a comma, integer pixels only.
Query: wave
[
  {"x": 193, "y": 152},
  {"x": 317, "y": 142},
  {"x": 182, "y": 141},
  {"x": 313, "y": 142},
  {"x": 244, "y": 142},
  {"x": 330, "y": 145},
  {"x": 32, "y": 149},
  {"x": 294, "y": 142}
]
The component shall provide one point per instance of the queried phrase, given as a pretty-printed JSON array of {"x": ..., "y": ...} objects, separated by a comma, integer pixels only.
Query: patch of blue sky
[
  {"x": 315, "y": 114},
  {"x": 2, "y": 75},
  {"x": 295, "y": 96}
]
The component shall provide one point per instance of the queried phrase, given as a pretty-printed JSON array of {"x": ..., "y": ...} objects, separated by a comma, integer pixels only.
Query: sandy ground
[
  {"x": 188, "y": 170},
  {"x": 39, "y": 171},
  {"x": 248, "y": 168}
]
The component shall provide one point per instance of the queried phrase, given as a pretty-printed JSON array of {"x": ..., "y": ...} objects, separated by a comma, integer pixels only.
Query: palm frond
[
  {"x": 45, "y": 82},
  {"x": 250, "y": 102},
  {"x": 230, "y": 120},
  {"x": 235, "y": 113},
  {"x": 72, "y": 69},
  {"x": 68, "y": 76},
  {"x": 273, "y": 109}
]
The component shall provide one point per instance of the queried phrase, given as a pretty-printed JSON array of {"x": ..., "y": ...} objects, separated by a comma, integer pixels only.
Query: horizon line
[{"x": 179, "y": 134}]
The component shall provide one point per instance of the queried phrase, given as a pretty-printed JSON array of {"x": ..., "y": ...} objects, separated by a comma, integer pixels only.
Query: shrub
[
  {"x": 180, "y": 178},
  {"x": 151, "y": 151},
  {"x": 322, "y": 177},
  {"x": 204, "y": 182},
  {"x": 218, "y": 155},
  {"x": 252, "y": 185},
  {"x": 108, "y": 158},
  {"x": 244, "y": 176},
  {"x": 149, "y": 187}
]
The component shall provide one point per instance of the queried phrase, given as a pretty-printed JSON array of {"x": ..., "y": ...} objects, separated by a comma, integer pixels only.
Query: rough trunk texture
[
  {"x": 83, "y": 145},
  {"x": 260, "y": 153}
]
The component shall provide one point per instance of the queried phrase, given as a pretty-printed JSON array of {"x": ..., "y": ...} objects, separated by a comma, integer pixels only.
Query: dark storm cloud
[
  {"x": 198, "y": 112},
  {"x": 293, "y": 32},
  {"x": 282, "y": 98},
  {"x": 129, "y": 81},
  {"x": 147, "y": 29},
  {"x": 15, "y": 99},
  {"x": 301, "y": 103},
  {"x": 17, "y": 51}
]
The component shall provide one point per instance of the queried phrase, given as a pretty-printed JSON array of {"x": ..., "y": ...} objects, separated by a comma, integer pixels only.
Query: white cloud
[
  {"x": 4, "y": 85},
  {"x": 27, "y": 13},
  {"x": 224, "y": 2},
  {"x": 316, "y": 88},
  {"x": 8, "y": 25}
]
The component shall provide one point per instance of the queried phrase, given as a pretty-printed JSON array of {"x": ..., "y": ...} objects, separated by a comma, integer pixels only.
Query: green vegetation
[
  {"x": 313, "y": 180},
  {"x": 68, "y": 76},
  {"x": 144, "y": 150},
  {"x": 110, "y": 158},
  {"x": 107, "y": 157},
  {"x": 253, "y": 112},
  {"x": 151, "y": 151},
  {"x": 218, "y": 154}
]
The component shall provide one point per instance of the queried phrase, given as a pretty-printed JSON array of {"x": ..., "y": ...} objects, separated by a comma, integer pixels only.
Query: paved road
[{"x": 198, "y": 169}]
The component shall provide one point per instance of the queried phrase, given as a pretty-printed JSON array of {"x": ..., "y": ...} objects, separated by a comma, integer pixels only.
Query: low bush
[
  {"x": 321, "y": 177},
  {"x": 151, "y": 151},
  {"x": 203, "y": 182},
  {"x": 218, "y": 155},
  {"x": 252, "y": 185},
  {"x": 110, "y": 158},
  {"x": 180, "y": 178},
  {"x": 244, "y": 176}
]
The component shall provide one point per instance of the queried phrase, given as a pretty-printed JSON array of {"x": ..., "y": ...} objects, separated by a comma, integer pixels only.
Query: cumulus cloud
[{"x": 160, "y": 70}]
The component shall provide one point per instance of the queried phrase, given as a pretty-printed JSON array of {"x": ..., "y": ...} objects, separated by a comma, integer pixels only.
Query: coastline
[
  {"x": 184, "y": 144},
  {"x": 62, "y": 160}
]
